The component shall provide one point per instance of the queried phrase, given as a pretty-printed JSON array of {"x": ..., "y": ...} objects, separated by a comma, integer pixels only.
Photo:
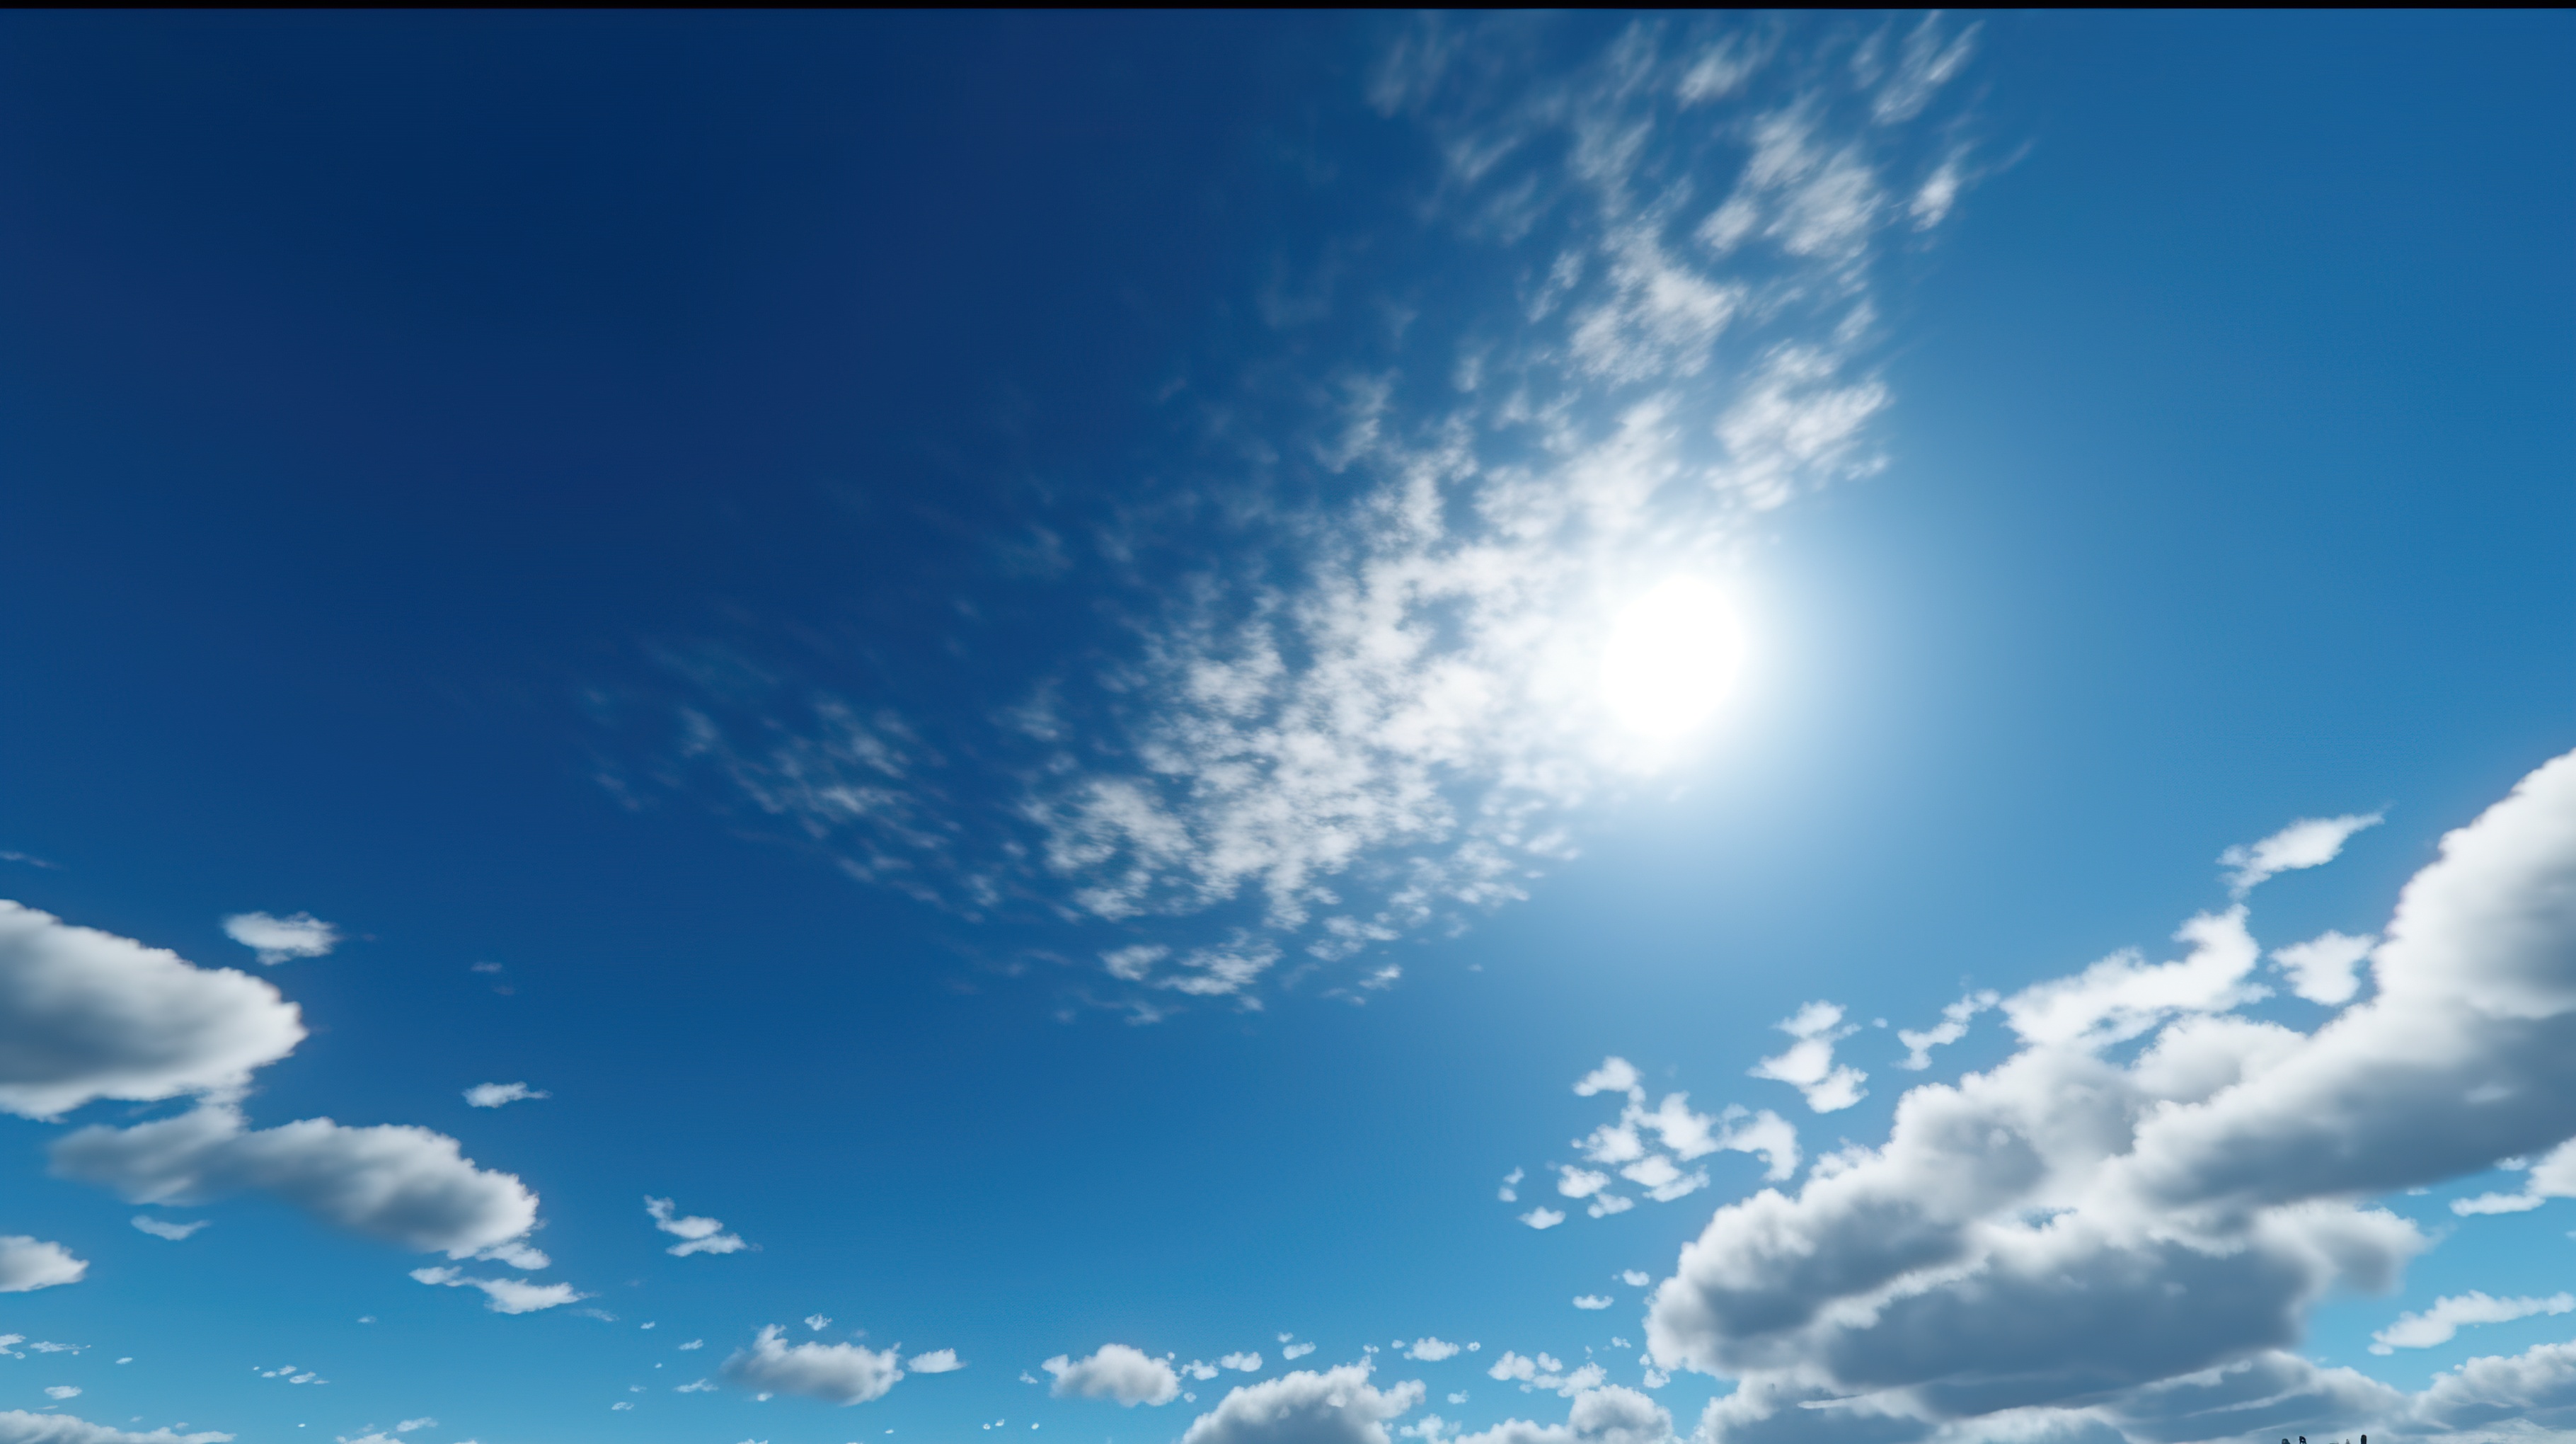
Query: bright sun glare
[{"x": 1672, "y": 658}]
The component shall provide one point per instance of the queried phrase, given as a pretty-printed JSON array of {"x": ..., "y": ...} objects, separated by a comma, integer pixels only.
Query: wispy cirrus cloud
[{"x": 1639, "y": 323}]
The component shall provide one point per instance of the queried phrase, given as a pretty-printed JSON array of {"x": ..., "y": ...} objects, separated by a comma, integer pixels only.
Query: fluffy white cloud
[
  {"x": 1593, "y": 1301},
  {"x": 1597, "y": 1416},
  {"x": 2128, "y": 1245},
  {"x": 1293, "y": 1352},
  {"x": 1337, "y": 1406},
  {"x": 87, "y": 1015},
  {"x": 169, "y": 1228},
  {"x": 493, "y": 1095},
  {"x": 2552, "y": 1177},
  {"x": 297, "y": 935},
  {"x": 2439, "y": 1323},
  {"x": 1808, "y": 1066},
  {"x": 695, "y": 1235},
  {"x": 17, "y": 1426},
  {"x": 1129, "y": 1375},
  {"x": 504, "y": 1295},
  {"x": 1431, "y": 1350},
  {"x": 404, "y": 1185},
  {"x": 1542, "y": 1218},
  {"x": 2308, "y": 842},
  {"x": 1683, "y": 1135},
  {"x": 2535, "y": 1390},
  {"x": 1246, "y": 1363},
  {"x": 936, "y": 1361},
  {"x": 28, "y": 1264},
  {"x": 1398, "y": 718},
  {"x": 1952, "y": 1027},
  {"x": 837, "y": 1373},
  {"x": 1545, "y": 1371}
]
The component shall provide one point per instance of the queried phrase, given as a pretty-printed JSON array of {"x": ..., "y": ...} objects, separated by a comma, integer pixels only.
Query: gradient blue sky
[{"x": 976, "y": 643}]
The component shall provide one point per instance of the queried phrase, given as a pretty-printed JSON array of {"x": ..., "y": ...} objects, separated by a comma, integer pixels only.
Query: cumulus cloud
[
  {"x": 1246, "y": 1362},
  {"x": 1593, "y": 1301},
  {"x": 1542, "y": 1218},
  {"x": 2308, "y": 842},
  {"x": 2533, "y": 1390},
  {"x": 28, "y": 1264},
  {"x": 1597, "y": 1416},
  {"x": 1679, "y": 1136},
  {"x": 1337, "y": 1406},
  {"x": 17, "y": 1426},
  {"x": 1394, "y": 720},
  {"x": 1808, "y": 1065},
  {"x": 170, "y": 1229},
  {"x": 2552, "y": 1177},
  {"x": 936, "y": 1361},
  {"x": 2075, "y": 1241},
  {"x": 276, "y": 940},
  {"x": 2437, "y": 1324},
  {"x": 87, "y": 1015},
  {"x": 835, "y": 1373},
  {"x": 1544, "y": 1371},
  {"x": 504, "y": 1295},
  {"x": 1431, "y": 1350},
  {"x": 493, "y": 1095},
  {"x": 2321, "y": 969},
  {"x": 695, "y": 1235},
  {"x": 1118, "y": 1371},
  {"x": 403, "y": 1185}
]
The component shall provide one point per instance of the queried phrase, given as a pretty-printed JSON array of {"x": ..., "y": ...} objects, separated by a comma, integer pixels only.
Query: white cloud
[
  {"x": 1952, "y": 1027},
  {"x": 2071, "y": 1241},
  {"x": 1615, "y": 1075},
  {"x": 695, "y": 1235},
  {"x": 817, "y": 1322},
  {"x": 835, "y": 1373},
  {"x": 1246, "y": 1363},
  {"x": 1117, "y": 1371},
  {"x": 1597, "y": 1416},
  {"x": 28, "y": 1264},
  {"x": 277, "y": 940},
  {"x": 2437, "y": 1324},
  {"x": 2308, "y": 842},
  {"x": 409, "y": 1425},
  {"x": 504, "y": 1295},
  {"x": 1593, "y": 1301},
  {"x": 169, "y": 1228},
  {"x": 404, "y": 1185},
  {"x": 1635, "y": 1278},
  {"x": 937, "y": 1361},
  {"x": 1510, "y": 1192},
  {"x": 1431, "y": 1350},
  {"x": 2321, "y": 969},
  {"x": 87, "y": 1015},
  {"x": 1396, "y": 722},
  {"x": 1542, "y": 1218},
  {"x": 2123, "y": 995},
  {"x": 2531, "y": 1391},
  {"x": 1545, "y": 1371},
  {"x": 1808, "y": 1065},
  {"x": 17, "y": 1426},
  {"x": 1294, "y": 1352},
  {"x": 1338, "y": 1406},
  {"x": 2552, "y": 1177},
  {"x": 493, "y": 1095}
]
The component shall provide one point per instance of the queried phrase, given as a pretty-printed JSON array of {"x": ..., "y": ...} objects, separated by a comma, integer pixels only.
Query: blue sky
[{"x": 1287, "y": 730}]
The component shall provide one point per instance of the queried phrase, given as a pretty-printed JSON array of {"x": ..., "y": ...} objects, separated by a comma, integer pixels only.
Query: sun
[{"x": 1672, "y": 658}]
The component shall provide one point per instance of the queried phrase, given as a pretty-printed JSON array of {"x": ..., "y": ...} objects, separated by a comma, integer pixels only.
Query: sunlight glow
[{"x": 1672, "y": 658}]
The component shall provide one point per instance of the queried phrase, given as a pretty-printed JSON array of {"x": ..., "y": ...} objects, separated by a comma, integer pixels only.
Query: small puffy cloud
[
  {"x": 1510, "y": 1192},
  {"x": 2537, "y": 1387},
  {"x": 404, "y": 1185},
  {"x": 297, "y": 935},
  {"x": 493, "y": 1095},
  {"x": 28, "y": 1264},
  {"x": 1952, "y": 1027},
  {"x": 1199, "y": 1369},
  {"x": 1597, "y": 1416},
  {"x": 936, "y": 1361},
  {"x": 2437, "y": 1324},
  {"x": 2552, "y": 1177},
  {"x": 87, "y": 1015},
  {"x": 1808, "y": 1065},
  {"x": 170, "y": 1229},
  {"x": 1615, "y": 1075},
  {"x": 17, "y": 1426},
  {"x": 1593, "y": 1301},
  {"x": 2308, "y": 842},
  {"x": 1542, "y": 1218},
  {"x": 1431, "y": 1350},
  {"x": 1636, "y": 1278},
  {"x": 818, "y": 1322},
  {"x": 62, "y": 1391},
  {"x": 1337, "y": 1406},
  {"x": 836, "y": 1373},
  {"x": 409, "y": 1425},
  {"x": 1295, "y": 1351},
  {"x": 2321, "y": 969},
  {"x": 1245, "y": 1363},
  {"x": 1129, "y": 1375},
  {"x": 695, "y": 1235},
  {"x": 504, "y": 1295},
  {"x": 1545, "y": 1371},
  {"x": 2123, "y": 995}
]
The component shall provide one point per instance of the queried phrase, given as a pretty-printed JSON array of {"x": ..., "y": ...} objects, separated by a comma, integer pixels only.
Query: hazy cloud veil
[{"x": 1380, "y": 712}]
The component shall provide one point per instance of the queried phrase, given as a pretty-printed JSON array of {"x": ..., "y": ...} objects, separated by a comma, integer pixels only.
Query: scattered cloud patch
[
  {"x": 504, "y": 1295},
  {"x": 1246, "y": 1362},
  {"x": 1953, "y": 1026},
  {"x": 695, "y": 1235},
  {"x": 936, "y": 1361},
  {"x": 1808, "y": 1065},
  {"x": 1117, "y": 1371},
  {"x": 278, "y": 940},
  {"x": 493, "y": 1095},
  {"x": 1593, "y": 1301},
  {"x": 1544, "y": 1371},
  {"x": 1337, "y": 1406},
  {"x": 2322, "y": 968},
  {"x": 1542, "y": 1218},
  {"x": 28, "y": 1264},
  {"x": 2437, "y": 1324},
  {"x": 834, "y": 1373},
  {"x": 171, "y": 1229},
  {"x": 2308, "y": 842},
  {"x": 1431, "y": 1349}
]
